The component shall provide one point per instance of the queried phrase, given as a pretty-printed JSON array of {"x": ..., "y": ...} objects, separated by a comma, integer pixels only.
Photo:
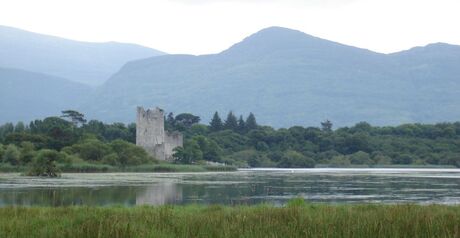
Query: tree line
[{"x": 235, "y": 140}]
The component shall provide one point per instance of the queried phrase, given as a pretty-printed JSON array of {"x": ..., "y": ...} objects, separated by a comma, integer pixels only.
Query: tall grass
[
  {"x": 294, "y": 220},
  {"x": 85, "y": 167}
]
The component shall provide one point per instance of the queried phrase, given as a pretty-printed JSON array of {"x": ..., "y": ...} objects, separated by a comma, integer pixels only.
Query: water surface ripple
[{"x": 248, "y": 186}]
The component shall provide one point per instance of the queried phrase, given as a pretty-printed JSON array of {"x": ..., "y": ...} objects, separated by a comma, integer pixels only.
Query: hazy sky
[{"x": 210, "y": 26}]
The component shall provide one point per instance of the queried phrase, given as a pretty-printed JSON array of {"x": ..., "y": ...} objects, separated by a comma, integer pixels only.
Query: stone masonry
[{"x": 151, "y": 134}]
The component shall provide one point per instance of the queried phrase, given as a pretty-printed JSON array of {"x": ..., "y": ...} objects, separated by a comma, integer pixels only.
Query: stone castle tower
[{"x": 151, "y": 134}]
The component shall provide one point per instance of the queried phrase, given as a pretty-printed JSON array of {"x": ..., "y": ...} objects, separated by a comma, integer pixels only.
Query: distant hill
[
  {"x": 25, "y": 96},
  {"x": 288, "y": 78},
  {"x": 84, "y": 62}
]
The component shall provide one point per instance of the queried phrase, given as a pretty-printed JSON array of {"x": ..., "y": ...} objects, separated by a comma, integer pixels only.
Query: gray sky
[{"x": 210, "y": 26}]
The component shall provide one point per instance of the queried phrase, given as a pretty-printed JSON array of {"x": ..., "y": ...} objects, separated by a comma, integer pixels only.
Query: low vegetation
[
  {"x": 295, "y": 220},
  {"x": 70, "y": 143}
]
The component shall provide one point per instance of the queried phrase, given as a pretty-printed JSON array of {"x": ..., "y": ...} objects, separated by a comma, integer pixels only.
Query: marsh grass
[
  {"x": 102, "y": 168},
  {"x": 297, "y": 219}
]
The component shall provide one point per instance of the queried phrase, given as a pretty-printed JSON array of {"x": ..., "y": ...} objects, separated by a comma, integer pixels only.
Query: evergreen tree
[
  {"x": 231, "y": 123},
  {"x": 20, "y": 127},
  {"x": 326, "y": 126},
  {"x": 241, "y": 125},
  {"x": 170, "y": 122},
  {"x": 216, "y": 123},
  {"x": 251, "y": 122}
]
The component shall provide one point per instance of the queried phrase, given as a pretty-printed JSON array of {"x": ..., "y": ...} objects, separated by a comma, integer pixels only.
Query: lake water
[{"x": 276, "y": 186}]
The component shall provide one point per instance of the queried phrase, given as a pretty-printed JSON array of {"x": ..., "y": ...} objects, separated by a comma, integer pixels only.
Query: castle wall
[
  {"x": 172, "y": 140},
  {"x": 150, "y": 132},
  {"x": 151, "y": 135}
]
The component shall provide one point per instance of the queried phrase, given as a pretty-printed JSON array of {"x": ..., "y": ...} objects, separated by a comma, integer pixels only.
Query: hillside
[
  {"x": 25, "y": 96},
  {"x": 84, "y": 62},
  {"x": 287, "y": 78}
]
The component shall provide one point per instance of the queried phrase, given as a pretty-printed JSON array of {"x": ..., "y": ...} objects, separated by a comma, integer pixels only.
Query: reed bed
[{"x": 297, "y": 219}]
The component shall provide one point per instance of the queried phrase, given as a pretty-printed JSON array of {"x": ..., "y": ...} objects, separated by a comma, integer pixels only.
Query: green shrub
[
  {"x": 12, "y": 155},
  {"x": 44, "y": 164},
  {"x": 294, "y": 159}
]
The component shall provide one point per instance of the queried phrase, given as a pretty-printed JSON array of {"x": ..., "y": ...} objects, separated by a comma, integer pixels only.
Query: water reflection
[
  {"x": 160, "y": 194},
  {"x": 243, "y": 187}
]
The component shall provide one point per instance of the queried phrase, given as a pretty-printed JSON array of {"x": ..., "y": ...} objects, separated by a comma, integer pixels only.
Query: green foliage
[
  {"x": 39, "y": 140},
  {"x": 27, "y": 152},
  {"x": 44, "y": 164},
  {"x": 216, "y": 123},
  {"x": 129, "y": 154},
  {"x": 241, "y": 125},
  {"x": 20, "y": 127},
  {"x": 230, "y": 141},
  {"x": 231, "y": 123},
  {"x": 111, "y": 159},
  {"x": 210, "y": 150},
  {"x": 185, "y": 121},
  {"x": 293, "y": 159},
  {"x": 243, "y": 143},
  {"x": 251, "y": 158},
  {"x": 188, "y": 154},
  {"x": 198, "y": 129},
  {"x": 170, "y": 121},
  {"x": 382, "y": 159},
  {"x": 251, "y": 122},
  {"x": 360, "y": 157},
  {"x": 340, "y": 161},
  {"x": 12, "y": 155},
  {"x": 2, "y": 152},
  {"x": 91, "y": 150},
  {"x": 75, "y": 117},
  {"x": 326, "y": 126},
  {"x": 5, "y": 130}
]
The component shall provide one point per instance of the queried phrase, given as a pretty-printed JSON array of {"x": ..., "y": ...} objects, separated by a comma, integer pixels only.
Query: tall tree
[
  {"x": 170, "y": 122},
  {"x": 326, "y": 126},
  {"x": 74, "y": 116},
  {"x": 216, "y": 123},
  {"x": 241, "y": 125},
  {"x": 251, "y": 122},
  {"x": 20, "y": 127},
  {"x": 231, "y": 123},
  {"x": 186, "y": 120}
]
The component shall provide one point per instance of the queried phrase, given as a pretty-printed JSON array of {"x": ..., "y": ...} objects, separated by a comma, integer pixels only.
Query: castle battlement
[{"x": 151, "y": 135}]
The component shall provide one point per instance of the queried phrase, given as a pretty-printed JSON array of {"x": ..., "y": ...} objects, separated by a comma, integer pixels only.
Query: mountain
[
  {"x": 84, "y": 62},
  {"x": 26, "y": 96},
  {"x": 288, "y": 78}
]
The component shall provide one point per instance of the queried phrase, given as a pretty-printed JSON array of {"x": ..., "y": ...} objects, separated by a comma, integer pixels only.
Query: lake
[{"x": 251, "y": 186}]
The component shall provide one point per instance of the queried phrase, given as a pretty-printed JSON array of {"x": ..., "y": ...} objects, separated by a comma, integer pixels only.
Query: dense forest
[{"x": 71, "y": 140}]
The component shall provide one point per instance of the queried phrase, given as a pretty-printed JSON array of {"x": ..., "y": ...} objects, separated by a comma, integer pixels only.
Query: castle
[{"x": 151, "y": 134}]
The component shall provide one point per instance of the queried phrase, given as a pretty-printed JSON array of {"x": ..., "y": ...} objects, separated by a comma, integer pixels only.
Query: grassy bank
[
  {"x": 101, "y": 168},
  {"x": 294, "y": 220}
]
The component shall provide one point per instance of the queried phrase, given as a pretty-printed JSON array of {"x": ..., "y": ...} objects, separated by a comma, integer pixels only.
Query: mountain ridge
[
  {"x": 287, "y": 78},
  {"x": 26, "y": 96},
  {"x": 298, "y": 83},
  {"x": 85, "y": 62}
]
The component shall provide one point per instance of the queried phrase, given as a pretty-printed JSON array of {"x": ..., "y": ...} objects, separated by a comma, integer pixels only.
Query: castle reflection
[{"x": 160, "y": 194}]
